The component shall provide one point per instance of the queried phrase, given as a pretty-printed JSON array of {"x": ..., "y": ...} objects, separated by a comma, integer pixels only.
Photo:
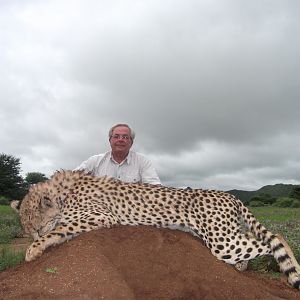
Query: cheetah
[{"x": 73, "y": 202}]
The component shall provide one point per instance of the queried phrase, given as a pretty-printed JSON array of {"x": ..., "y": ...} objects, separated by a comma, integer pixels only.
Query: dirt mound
[{"x": 135, "y": 263}]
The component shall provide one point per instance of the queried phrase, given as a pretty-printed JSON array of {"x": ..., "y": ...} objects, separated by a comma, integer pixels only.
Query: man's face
[{"x": 120, "y": 140}]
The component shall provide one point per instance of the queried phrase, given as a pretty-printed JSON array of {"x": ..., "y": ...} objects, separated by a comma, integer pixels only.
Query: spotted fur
[{"x": 74, "y": 202}]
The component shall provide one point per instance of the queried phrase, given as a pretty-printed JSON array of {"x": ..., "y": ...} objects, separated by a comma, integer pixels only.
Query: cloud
[{"x": 211, "y": 87}]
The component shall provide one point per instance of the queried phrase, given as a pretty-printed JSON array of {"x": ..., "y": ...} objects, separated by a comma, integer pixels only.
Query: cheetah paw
[{"x": 33, "y": 252}]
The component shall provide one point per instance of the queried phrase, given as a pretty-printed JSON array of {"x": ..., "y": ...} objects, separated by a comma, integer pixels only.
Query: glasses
[{"x": 121, "y": 136}]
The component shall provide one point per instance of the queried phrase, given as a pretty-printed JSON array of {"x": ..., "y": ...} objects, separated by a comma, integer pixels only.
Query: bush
[
  {"x": 295, "y": 203},
  {"x": 284, "y": 202},
  {"x": 256, "y": 203},
  {"x": 9, "y": 258},
  {"x": 10, "y": 226},
  {"x": 4, "y": 200},
  {"x": 264, "y": 198}
]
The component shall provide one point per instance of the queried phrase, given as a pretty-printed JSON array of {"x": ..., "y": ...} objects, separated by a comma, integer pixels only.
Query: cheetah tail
[{"x": 281, "y": 251}]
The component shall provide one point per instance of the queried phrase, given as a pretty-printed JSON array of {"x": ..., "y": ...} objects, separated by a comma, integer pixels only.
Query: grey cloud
[{"x": 211, "y": 87}]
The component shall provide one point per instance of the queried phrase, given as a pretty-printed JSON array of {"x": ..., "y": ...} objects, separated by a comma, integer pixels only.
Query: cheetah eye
[{"x": 46, "y": 202}]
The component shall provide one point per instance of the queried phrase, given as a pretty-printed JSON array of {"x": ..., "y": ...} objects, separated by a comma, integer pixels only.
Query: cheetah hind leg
[
  {"x": 243, "y": 248},
  {"x": 243, "y": 264}
]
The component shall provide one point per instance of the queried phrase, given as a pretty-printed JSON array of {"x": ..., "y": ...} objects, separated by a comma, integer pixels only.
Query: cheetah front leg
[
  {"x": 54, "y": 237},
  {"x": 66, "y": 232}
]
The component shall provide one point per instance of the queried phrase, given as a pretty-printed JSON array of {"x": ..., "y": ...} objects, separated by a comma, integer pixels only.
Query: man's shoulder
[{"x": 138, "y": 156}]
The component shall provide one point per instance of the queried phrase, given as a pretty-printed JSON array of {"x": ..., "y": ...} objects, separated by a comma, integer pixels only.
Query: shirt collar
[{"x": 126, "y": 160}]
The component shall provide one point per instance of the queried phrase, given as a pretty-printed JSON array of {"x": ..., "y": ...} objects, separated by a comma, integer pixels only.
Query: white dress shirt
[{"x": 135, "y": 168}]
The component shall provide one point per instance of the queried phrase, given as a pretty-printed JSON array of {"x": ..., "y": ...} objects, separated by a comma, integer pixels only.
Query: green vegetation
[
  {"x": 284, "y": 221},
  {"x": 295, "y": 193},
  {"x": 9, "y": 258},
  {"x": 272, "y": 191},
  {"x": 4, "y": 200},
  {"x": 12, "y": 184},
  {"x": 266, "y": 200},
  {"x": 284, "y": 197},
  {"x": 10, "y": 228},
  {"x": 287, "y": 202},
  {"x": 51, "y": 270},
  {"x": 35, "y": 177}
]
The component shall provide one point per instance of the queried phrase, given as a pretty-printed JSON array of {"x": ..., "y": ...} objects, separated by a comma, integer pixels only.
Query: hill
[{"x": 276, "y": 190}]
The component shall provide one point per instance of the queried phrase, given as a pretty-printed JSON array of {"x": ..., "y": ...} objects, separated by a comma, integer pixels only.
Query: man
[{"x": 121, "y": 162}]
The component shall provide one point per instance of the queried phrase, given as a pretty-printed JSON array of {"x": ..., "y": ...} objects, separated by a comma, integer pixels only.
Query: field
[{"x": 285, "y": 221}]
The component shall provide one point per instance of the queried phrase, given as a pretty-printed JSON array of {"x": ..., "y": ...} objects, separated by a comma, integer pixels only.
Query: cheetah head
[{"x": 40, "y": 210}]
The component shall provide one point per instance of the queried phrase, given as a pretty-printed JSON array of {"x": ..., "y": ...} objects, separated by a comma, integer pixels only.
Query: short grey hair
[{"x": 132, "y": 133}]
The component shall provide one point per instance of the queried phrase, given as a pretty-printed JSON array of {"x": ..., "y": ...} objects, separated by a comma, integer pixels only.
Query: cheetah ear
[{"x": 15, "y": 205}]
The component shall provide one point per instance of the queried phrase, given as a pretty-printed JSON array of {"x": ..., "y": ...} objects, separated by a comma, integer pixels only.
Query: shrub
[
  {"x": 295, "y": 203},
  {"x": 9, "y": 258},
  {"x": 10, "y": 226},
  {"x": 256, "y": 203},
  {"x": 264, "y": 198},
  {"x": 4, "y": 200},
  {"x": 283, "y": 202}
]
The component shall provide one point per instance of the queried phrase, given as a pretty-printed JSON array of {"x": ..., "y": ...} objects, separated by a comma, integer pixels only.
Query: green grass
[
  {"x": 5, "y": 209},
  {"x": 10, "y": 226},
  {"x": 286, "y": 222},
  {"x": 276, "y": 214},
  {"x": 9, "y": 258}
]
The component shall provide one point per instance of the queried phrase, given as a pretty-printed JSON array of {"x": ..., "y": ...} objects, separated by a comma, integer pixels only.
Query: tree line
[
  {"x": 265, "y": 199},
  {"x": 12, "y": 184}
]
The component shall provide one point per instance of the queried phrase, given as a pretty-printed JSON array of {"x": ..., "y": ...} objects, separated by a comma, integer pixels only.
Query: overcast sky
[{"x": 211, "y": 87}]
